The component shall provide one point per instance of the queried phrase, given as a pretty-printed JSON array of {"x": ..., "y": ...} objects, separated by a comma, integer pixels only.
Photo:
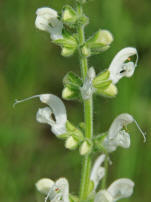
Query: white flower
[
  {"x": 47, "y": 20},
  {"x": 98, "y": 171},
  {"x": 119, "y": 122},
  {"x": 56, "y": 107},
  {"x": 121, "y": 188},
  {"x": 117, "y": 136},
  {"x": 119, "y": 67},
  {"x": 56, "y": 191}
]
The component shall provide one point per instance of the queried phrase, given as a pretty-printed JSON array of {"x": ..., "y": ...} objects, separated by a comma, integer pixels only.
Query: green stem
[{"x": 88, "y": 115}]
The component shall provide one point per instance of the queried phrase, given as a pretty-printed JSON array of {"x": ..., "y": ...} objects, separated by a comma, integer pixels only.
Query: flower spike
[
  {"x": 119, "y": 67},
  {"x": 56, "y": 107},
  {"x": 98, "y": 171}
]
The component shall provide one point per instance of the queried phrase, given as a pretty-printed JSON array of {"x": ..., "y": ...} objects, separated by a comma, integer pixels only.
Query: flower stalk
[{"x": 88, "y": 113}]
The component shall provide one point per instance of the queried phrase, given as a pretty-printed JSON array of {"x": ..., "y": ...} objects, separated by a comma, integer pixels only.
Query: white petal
[
  {"x": 47, "y": 12},
  {"x": 103, "y": 196},
  {"x": 91, "y": 73},
  {"x": 118, "y": 123},
  {"x": 42, "y": 23},
  {"x": 118, "y": 68},
  {"x": 123, "y": 139},
  {"x": 97, "y": 172},
  {"x": 44, "y": 116},
  {"x": 56, "y": 31},
  {"x": 59, "y": 111},
  {"x": 109, "y": 145},
  {"x": 44, "y": 185},
  {"x": 63, "y": 185},
  {"x": 122, "y": 188},
  {"x": 59, "y": 192}
]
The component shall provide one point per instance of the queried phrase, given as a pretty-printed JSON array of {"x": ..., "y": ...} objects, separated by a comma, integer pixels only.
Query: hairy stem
[{"x": 88, "y": 115}]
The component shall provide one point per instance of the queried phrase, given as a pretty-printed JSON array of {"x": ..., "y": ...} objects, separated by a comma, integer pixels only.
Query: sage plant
[{"x": 68, "y": 31}]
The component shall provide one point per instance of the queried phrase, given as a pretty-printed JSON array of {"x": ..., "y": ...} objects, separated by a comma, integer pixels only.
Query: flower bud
[
  {"x": 111, "y": 91},
  {"x": 100, "y": 38},
  {"x": 69, "y": 15},
  {"x": 85, "y": 148},
  {"x": 71, "y": 143},
  {"x": 66, "y": 52},
  {"x": 100, "y": 41},
  {"x": 44, "y": 185},
  {"x": 70, "y": 94}
]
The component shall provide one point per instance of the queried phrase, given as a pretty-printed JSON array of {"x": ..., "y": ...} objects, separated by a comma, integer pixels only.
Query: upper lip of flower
[
  {"x": 118, "y": 68},
  {"x": 118, "y": 123}
]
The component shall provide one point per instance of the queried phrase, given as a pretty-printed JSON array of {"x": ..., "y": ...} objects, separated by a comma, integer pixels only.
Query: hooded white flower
[
  {"x": 117, "y": 136},
  {"x": 47, "y": 20},
  {"x": 119, "y": 67},
  {"x": 98, "y": 171},
  {"x": 121, "y": 188},
  {"x": 56, "y": 107},
  {"x": 56, "y": 191}
]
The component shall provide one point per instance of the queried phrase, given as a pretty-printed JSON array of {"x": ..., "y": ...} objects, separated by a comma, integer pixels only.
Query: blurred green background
[{"x": 30, "y": 64}]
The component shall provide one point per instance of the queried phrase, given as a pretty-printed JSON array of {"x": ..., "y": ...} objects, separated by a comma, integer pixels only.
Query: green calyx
[
  {"x": 97, "y": 141},
  {"x": 68, "y": 44},
  {"x": 102, "y": 81},
  {"x": 73, "y": 136},
  {"x": 69, "y": 15},
  {"x": 72, "y": 18},
  {"x": 99, "y": 42},
  {"x": 72, "y": 84},
  {"x": 86, "y": 147},
  {"x": 103, "y": 85},
  {"x": 110, "y": 91}
]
